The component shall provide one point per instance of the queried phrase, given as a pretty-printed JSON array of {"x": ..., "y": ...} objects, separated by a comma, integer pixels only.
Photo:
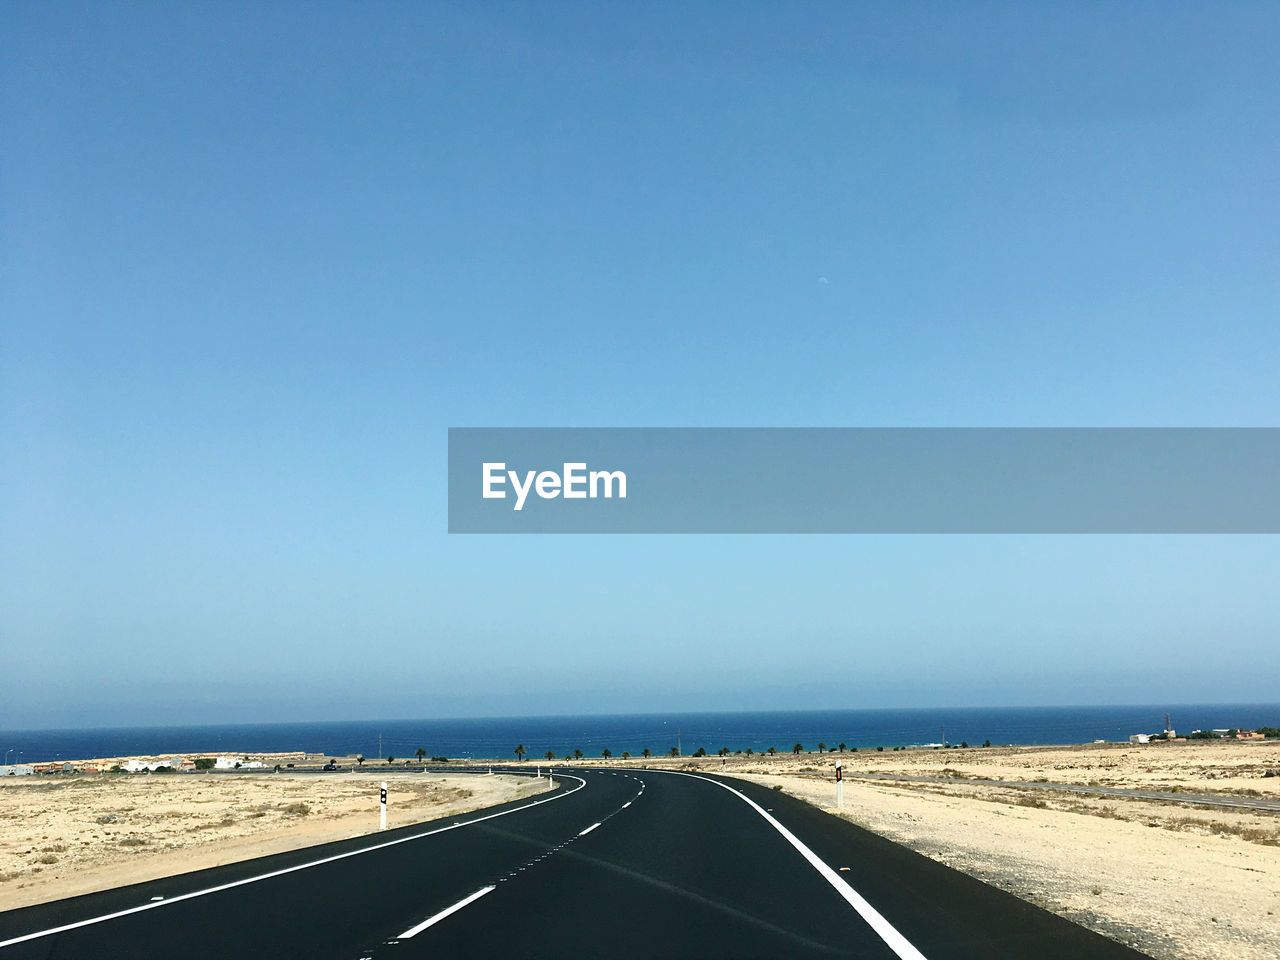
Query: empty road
[{"x": 614, "y": 863}]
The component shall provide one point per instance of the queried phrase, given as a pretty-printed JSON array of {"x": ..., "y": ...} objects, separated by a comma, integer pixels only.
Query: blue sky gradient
[{"x": 254, "y": 262}]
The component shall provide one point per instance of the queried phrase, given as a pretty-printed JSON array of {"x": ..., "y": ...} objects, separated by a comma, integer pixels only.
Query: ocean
[{"x": 497, "y": 737}]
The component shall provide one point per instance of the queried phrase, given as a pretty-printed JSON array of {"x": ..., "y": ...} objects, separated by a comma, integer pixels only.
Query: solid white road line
[
  {"x": 447, "y": 912},
  {"x": 588, "y": 830},
  {"x": 887, "y": 932},
  {"x": 278, "y": 873}
]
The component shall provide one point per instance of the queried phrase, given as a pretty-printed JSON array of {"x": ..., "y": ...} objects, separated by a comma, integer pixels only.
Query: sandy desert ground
[
  {"x": 1177, "y": 882},
  {"x": 62, "y": 836}
]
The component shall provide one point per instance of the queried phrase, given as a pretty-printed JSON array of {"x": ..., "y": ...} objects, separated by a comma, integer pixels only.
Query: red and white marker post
[
  {"x": 839, "y": 784},
  {"x": 382, "y": 819}
]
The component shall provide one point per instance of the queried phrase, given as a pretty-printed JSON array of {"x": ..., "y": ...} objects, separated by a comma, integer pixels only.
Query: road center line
[
  {"x": 588, "y": 830},
  {"x": 281, "y": 872},
  {"x": 886, "y": 931},
  {"x": 447, "y": 912}
]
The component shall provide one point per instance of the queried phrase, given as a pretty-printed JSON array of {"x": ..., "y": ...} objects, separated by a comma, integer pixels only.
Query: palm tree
[
  {"x": 577, "y": 754},
  {"x": 750, "y": 751},
  {"x": 842, "y": 748},
  {"x": 551, "y": 754},
  {"x": 391, "y": 759},
  {"x": 606, "y": 753},
  {"x": 822, "y": 748},
  {"x": 625, "y": 755},
  {"x": 420, "y": 753},
  {"x": 360, "y": 759},
  {"x": 675, "y": 751},
  {"x": 520, "y": 752},
  {"x": 772, "y": 751},
  {"x": 723, "y": 751},
  {"x": 646, "y": 753},
  {"x": 798, "y": 749}
]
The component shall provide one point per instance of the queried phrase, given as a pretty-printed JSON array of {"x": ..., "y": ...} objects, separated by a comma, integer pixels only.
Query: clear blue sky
[{"x": 256, "y": 259}]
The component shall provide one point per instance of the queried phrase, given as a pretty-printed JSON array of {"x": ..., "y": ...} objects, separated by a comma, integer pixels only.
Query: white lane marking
[
  {"x": 278, "y": 873},
  {"x": 447, "y": 912},
  {"x": 627, "y": 804},
  {"x": 887, "y": 932},
  {"x": 588, "y": 830}
]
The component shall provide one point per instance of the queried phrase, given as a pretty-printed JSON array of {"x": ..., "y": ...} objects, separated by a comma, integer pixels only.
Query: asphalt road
[{"x": 625, "y": 863}]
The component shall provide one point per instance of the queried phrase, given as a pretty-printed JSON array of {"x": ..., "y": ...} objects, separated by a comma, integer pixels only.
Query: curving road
[{"x": 614, "y": 863}]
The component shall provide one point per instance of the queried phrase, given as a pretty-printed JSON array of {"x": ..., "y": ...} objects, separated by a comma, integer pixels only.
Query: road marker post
[
  {"x": 839, "y": 784},
  {"x": 382, "y": 819}
]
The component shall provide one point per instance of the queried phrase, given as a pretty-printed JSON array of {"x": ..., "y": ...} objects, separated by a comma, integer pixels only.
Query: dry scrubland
[
  {"x": 65, "y": 836},
  {"x": 1171, "y": 880}
]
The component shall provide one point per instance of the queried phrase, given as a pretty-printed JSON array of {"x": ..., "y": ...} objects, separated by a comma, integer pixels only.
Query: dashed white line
[
  {"x": 588, "y": 830},
  {"x": 447, "y": 912},
  {"x": 281, "y": 872}
]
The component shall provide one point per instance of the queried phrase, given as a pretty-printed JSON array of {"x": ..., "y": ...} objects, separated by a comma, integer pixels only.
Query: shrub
[
  {"x": 205, "y": 763},
  {"x": 879, "y": 749}
]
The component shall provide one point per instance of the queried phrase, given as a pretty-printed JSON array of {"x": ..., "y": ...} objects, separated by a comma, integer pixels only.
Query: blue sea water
[{"x": 496, "y": 737}]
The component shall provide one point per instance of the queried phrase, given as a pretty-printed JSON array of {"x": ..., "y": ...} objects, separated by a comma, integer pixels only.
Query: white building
[{"x": 235, "y": 763}]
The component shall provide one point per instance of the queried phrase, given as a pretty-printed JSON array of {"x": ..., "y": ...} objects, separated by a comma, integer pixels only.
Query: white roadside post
[
  {"x": 839, "y": 784},
  {"x": 382, "y": 819}
]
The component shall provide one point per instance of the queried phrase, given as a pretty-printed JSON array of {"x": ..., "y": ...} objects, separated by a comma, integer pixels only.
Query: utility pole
[
  {"x": 679, "y": 752},
  {"x": 379, "y": 746},
  {"x": 944, "y": 734}
]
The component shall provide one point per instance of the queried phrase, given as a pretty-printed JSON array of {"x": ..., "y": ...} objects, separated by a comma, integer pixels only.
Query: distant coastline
[{"x": 497, "y": 737}]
